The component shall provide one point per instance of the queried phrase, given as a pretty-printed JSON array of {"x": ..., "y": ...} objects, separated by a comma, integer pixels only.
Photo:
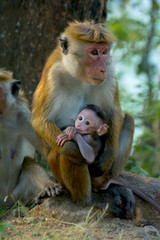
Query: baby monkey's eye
[
  {"x": 80, "y": 118},
  {"x": 87, "y": 122}
]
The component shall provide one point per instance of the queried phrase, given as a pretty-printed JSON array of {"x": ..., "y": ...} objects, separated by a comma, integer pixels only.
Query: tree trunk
[{"x": 29, "y": 31}]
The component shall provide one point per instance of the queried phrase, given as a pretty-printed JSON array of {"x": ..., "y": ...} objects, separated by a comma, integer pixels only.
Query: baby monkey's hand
[
  {"x": 67, "y": 136},
  {"x": 70, "y": 131}
]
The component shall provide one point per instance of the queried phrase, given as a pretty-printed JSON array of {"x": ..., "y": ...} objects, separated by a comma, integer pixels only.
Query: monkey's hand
[
  {"x": 70, "y": 131},
  {"x": 51, "y": 190},
  {"x": 70, "y": 148},
  {"x": 67, "y": 136},
  {"x": 61, "y": 139}
]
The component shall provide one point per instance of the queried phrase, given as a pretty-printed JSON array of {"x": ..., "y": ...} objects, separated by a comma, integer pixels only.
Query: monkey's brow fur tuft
[
  {"x": 5, "y": 75},
  {"x": 90, "y": 32}
]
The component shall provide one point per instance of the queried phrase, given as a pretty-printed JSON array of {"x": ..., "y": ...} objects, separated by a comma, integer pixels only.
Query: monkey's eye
[
  {"x": 80, "y": 118},
  {"x": 15, "y": 88},
  {"x": 105, "y": 51},
  {"x": 87, "y": 122},
  {"x": 94, "y": 52}
]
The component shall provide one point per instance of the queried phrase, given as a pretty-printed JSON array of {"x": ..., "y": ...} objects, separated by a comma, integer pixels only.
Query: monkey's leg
[
  {"x": 53, "y": 189},
  {"x": 74, "y": 176},
  {"x": 125, "y": 143},
  {"x": 121, "y": 200},
  {"x": 32, "y": 180}
]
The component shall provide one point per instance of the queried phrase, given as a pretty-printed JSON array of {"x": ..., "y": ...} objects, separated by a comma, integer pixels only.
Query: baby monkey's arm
[{"x": 85, "y": 149}]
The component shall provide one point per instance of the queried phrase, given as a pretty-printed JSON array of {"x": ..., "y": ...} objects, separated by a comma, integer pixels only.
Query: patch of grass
[
  {"x": 56, "y": 229},
  {"x": 4, "y": 229}
]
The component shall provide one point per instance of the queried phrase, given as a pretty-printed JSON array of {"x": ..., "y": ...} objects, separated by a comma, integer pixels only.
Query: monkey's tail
[{"x": 135, "y": 190}]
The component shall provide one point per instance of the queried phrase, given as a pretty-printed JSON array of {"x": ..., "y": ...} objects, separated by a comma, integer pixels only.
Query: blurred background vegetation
[{"x": 137, "y": 52}]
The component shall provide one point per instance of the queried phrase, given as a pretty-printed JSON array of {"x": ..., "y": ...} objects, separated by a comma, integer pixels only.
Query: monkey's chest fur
[{"x": 67, "y": 104}]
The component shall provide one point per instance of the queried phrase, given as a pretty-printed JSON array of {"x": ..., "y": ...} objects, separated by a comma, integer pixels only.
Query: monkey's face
[
  {"x": 84, "y": 61},
  {"x": 87, "y": 122},
  {"x": 8, "y": 94},
  {"x": 95, "y": 67}
]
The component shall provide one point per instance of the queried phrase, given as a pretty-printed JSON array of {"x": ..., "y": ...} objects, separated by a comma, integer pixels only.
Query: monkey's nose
[{"x": 103, "y": 73}]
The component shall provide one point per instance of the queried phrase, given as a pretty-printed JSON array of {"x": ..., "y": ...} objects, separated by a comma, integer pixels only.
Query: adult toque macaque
[
  {"x": 20, "y": 177},
  {"x": 79, "y": 72}
]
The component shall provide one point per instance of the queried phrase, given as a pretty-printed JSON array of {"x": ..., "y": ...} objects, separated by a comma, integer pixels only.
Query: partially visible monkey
[
  {"x": 89, "y": 125},
  {"x": 20, "y": 177},
  {"x": 79, "y": 72}
]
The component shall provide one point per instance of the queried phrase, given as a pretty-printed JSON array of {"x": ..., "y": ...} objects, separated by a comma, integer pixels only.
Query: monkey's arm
[
  {"x": 117, "y": 146},
  {"x": 48, "y": 131},
  {"x": 85, "y": 149},
  {"x": 31, "y": 136},
  {"x": 26, "y": 129},
  {"x": 110, "y": 142}
]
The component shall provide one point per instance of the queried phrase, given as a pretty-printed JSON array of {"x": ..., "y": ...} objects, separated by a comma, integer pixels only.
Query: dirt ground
[{"x": 61, "y": 219}]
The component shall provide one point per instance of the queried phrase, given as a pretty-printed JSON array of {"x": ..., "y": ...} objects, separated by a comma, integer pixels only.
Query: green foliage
[
  {"x": 137, "y": 27},
  {"x": 4, "y": 229}
]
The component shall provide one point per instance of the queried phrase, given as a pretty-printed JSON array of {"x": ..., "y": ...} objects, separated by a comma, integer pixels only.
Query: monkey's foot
[
  {"x": 51, "y": 190},
  {"x": 122, "y": 201}
]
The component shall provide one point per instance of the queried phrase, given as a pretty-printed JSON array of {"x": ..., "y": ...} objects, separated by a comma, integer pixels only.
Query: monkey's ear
[
  {"x": 102, "y": 129},
  {"x": 15, "y": 88},
  {"x": 64, "y": 44}
]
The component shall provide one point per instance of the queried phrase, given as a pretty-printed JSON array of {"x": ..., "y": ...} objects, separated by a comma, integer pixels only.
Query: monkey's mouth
[{"x": 98, "y": 79}]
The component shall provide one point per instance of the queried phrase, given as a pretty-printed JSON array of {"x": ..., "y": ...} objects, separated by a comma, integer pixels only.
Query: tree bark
[{"x": 29, "y": 31}]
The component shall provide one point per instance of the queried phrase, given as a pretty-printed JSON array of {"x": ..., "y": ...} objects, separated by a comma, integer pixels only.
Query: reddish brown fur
[{"x": 89, "y": 32}]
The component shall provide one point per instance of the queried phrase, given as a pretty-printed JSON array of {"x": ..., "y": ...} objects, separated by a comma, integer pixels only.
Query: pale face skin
[
  {"x": 87, "y": 123},
  {"x": 96, "y": 69}
]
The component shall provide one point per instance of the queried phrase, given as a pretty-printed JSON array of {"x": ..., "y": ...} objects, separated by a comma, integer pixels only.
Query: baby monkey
[{"x": 89, "y": 125}]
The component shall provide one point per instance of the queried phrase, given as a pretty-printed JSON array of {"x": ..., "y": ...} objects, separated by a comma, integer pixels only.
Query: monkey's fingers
[
  {"x": 70, "y": 136},
  {"x": 56, "y": 191},
  {"x": 51, "y": 190},
  {"x": 61, "y": 140},
  {"x": 58, "y": 141},
  {"x": 60, "y": 135},
  {"x": 69, "y": 129},
  {"x": 71, "y": 133}
]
